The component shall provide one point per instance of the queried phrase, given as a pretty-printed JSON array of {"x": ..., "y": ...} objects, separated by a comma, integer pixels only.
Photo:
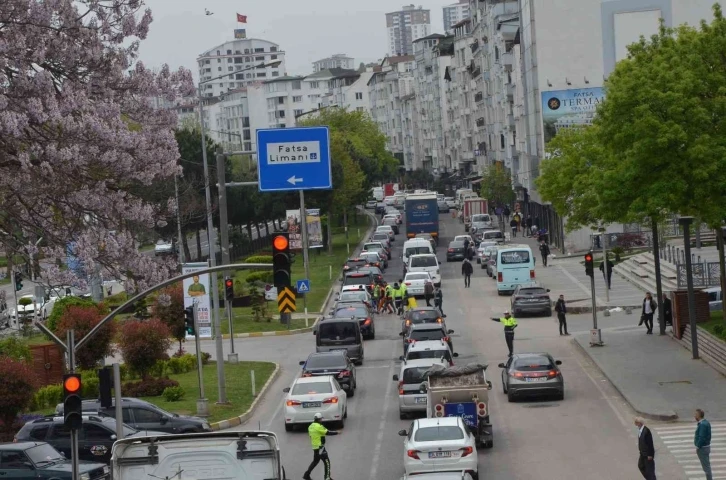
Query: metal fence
[{"x": 705, "y": 274}]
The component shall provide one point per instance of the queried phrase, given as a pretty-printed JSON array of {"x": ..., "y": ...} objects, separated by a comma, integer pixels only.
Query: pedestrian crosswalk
[{"x": 679, "y": 442}]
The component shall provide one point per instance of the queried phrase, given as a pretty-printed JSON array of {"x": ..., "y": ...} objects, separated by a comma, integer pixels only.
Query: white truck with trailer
[{"x": 461, "y": 391}]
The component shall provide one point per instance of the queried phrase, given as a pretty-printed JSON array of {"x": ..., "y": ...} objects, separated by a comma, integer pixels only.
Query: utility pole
[
  {"x": 605, "y": 268},
  {"x": 71, "y": 351},
  {"x": 180, "y": 239},
  {"x": 224, "y": 243},
  {"x": 304, "y": 235}
]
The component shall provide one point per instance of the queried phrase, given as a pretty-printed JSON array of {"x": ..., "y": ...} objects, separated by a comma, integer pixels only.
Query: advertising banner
[
  {"x": 240, "y": 33},
  {"x": 467, "y": 412},
  {"x": 315, "y": 230},
  {"x": 196, "y": 290},
  {"x": 569, "y": 108}
]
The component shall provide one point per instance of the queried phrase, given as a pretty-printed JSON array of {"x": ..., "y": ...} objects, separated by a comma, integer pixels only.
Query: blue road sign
[
  {"x": 303, "y": 286},
  {"x": 294, "y": 159}
]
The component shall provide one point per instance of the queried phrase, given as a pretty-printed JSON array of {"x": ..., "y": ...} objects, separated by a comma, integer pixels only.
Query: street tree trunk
[
  {"x": 658, "y": 279},
  {"x": 185, "y": 246},
  {"x": 257, "y": 226},
  {"x": 267, "y": 228},
  {"x": 199, "y": 246}
]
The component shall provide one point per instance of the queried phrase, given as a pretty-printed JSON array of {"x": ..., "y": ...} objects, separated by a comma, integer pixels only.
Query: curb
[
  {"x": 663, "y": 417},
  {"x": 600, "y": 308},
  {"x": 239, "y": 420}
]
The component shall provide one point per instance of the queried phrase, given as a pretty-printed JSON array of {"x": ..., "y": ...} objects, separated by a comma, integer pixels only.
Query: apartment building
[
  {"x": 338, "y": 60},
  {"x": 454, "y": 14},
  {"x": 404, "y": 26}
]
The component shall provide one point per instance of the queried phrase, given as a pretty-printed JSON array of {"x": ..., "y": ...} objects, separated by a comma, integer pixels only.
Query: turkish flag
[{"x": 241, "y": 18}]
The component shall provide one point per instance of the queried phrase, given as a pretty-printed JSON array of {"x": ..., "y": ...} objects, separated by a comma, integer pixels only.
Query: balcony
[
  {"x": 511, "y": 123},
  {"x": 507, "y": 61},
  {"x": 510, "y": 91},
  {"x": 480, "y": 122}
]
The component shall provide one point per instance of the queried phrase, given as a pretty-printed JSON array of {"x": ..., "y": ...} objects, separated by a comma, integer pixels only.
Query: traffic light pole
[
  {"x": 71, "y": 352},
  {"x": 304, "y": 235},
  {"x": 595, "y": 334},
  {"x": 15, "y": 293},
  {"x": 202, "y": 402}
]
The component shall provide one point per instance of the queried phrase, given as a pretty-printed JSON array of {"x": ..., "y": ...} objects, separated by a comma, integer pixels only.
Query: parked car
[
  {"x": 34, "y": 460},
  {"x": 310, "y": 395},
  {"x": 532, "y": 374},
  {"x": 715, "y": 299},
  {"x": 335, "y": 363},
  {"x": 165, "y": 247},
  {"x": 455, "y": 251},
  {"x": 531, "y": 299}
]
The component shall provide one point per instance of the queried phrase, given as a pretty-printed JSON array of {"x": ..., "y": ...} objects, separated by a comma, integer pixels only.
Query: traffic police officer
[
  {"x": 510, "y": 323},
  {"x": 317, "y": 433}
]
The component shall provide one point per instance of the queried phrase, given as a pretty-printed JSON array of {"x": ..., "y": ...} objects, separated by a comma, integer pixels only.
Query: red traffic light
[
  {"x": 280, "y": 242},
  {"x": 588, "y": 258},
  {"x": 229, "y": 283},
  {"x": 72, "y": 384}
]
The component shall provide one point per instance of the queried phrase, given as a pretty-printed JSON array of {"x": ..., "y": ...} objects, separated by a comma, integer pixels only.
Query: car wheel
[
  {"x": 359, "y": 363},
  {"x": 504, "y": 386},
  {"x": 561, "y": 395},
  {"x": 474, "y": 475},
  {"x": 345, "y": 415},
  {"x": 549, "y": 312},
  {"x": 351, "y": 392},
  {"x": 510, "y": 396},
  {"x": 341, "y": 423},
  {"x": 489, "y": 444},
  {"x": 403, "y": 415},
  {"x": 289, "y": 427}
]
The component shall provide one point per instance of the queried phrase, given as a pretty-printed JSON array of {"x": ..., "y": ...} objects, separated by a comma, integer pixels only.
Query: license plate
[
  {"x": 536, "y": 379},
  {"x": 439, "y": 454},
  {"x": 312, "y": 404},
  {"x": 421, "y": 400}
]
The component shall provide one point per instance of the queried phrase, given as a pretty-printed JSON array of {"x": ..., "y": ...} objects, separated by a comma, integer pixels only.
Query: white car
[
  {"x": 24, "y": 311},
  {"x": 416, "y": 282},
  {"x": 439, "y": 444},
  {"x": 482, "y": 247},
  {"x": 461, "y": 238},
  {"x": 354, "y": 295},
  {"x": 310, "y": 395},
  {"x": 450, "y": 201},
  {"x": 425, "y": 262},
  {"x": 386, "y": 229},
  {"x": 392, "y": 216},
  {"x": 435, "y": 349},
  {"x": 164, "y": 247}
]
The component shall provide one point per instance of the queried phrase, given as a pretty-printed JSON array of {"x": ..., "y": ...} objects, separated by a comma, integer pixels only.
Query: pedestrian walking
[
  {"x": 439, "y": 301},
  {"x": 467, "y": 269},
  {"x": 702, "y": 441},
  {"x": 544, "y": 249},
  {"x": 561, "y": 310},
  {"x": 528, "y": 223},
  {"x": 649, "y": 306},
  {"x": 428, "y": 292},
  {"x": 513, "y": 224},
  {"x": 317, "y": 433},
  {"x": 510, "y": 323},
  {"x": 471, "y": 253},
  {"x": 466, "y": 246},
  {"x": 667, "y": 310},
  {"x": 646, "y": 459},
  {"x": 607, "y": 274},
  {"x": 398, "y": 298}
]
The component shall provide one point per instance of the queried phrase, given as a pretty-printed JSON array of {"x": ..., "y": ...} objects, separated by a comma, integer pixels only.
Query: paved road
[{"x": 590, "y": 431}]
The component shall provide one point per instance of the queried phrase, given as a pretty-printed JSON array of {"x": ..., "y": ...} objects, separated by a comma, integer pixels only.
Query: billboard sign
[
  {"x": 569, "y": 108},
  {"x": 196, "y": 290},
  {"x": 240, "y": 33},
  {"x": 315, "y": 229}
]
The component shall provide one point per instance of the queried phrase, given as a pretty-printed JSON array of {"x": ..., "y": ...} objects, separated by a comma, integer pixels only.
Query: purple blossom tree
[{"x": 80, "y": 140}]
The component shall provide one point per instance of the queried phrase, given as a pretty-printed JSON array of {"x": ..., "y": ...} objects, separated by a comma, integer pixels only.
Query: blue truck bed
[{"x": 422, "y": 215}]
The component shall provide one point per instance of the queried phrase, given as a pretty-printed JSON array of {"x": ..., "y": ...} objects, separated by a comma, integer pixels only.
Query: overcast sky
[{"x": 307, "y": 30}]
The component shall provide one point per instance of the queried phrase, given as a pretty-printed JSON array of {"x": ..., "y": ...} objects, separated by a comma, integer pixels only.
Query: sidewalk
[
  {"x": 657, "y": 376},
  {"x": 566, "y": 275}
]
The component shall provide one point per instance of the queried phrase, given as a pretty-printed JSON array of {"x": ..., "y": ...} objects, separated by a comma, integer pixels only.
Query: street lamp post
[{"x": 686, "y": 224}]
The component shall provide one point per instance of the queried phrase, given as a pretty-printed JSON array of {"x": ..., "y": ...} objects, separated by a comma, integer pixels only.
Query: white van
[
  {"x": 425, "y": 263},
  {"x": 415, "y": 246},
  {"x": 515, "y": 266},
  {"x": 460, "y": 193}
]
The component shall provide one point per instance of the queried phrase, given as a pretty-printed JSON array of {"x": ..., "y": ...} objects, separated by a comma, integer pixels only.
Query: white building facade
[
  {"x": 404, "y": 26},
  {"x": 338, "y": 60}
]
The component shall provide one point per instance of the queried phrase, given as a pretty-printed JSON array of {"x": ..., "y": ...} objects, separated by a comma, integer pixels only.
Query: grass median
[{"x": 321, "y": 265}]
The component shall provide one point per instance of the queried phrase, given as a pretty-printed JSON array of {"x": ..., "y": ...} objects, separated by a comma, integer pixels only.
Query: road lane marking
[
  {"x": 579, "y": 284},
  {"x": 382, "y": 424},
  {"x": 678, "y": 440}
]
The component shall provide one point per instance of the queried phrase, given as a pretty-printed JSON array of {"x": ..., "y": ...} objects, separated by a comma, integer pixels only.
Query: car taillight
[
  {"x": 439, "y": 320},
  {"x": 552, "y": 374},
  {"x": 481, "y": 409},
  {"x": 400, "y": 387},
  {"x": 331, "y": 400},
  {"x": 367, "y": 322},
  {"x": 413, "y": 454},
  {"x": 306, "y": 374},
  {"x": 446, "y": 339},
  {"x": 466, "y": 451},
  {"x": 531, "y": 274},
  {"x": 499, "y": 277},
  {"x": 291, "y": 403},
  {"x": 439, "y": 410},
  {"x": 344, "y": 373},
  {"x": 516, "y": 375},
  {"x": 408, "y": 284},
  {"x": 410, "y": 340},
  {"x": 451, "y": 250}
]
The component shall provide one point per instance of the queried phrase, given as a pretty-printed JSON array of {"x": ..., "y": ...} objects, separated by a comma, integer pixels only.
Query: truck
[
  {"x": 461, "y": 391},
  {"x": 473, "y": 206},
  {"x": 245, "y": 455},
  {"x": 389, "y": 189},
  {"x": 422, "y": 214}
]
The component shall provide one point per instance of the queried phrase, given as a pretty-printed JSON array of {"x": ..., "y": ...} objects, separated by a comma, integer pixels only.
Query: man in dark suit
[
  {"x": 646, "y": 461},
  {"x": 667, "y": 310}
]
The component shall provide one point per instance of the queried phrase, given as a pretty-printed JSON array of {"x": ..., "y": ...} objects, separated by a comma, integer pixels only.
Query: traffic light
[
  {"x": 18, "y": 282},
  {"x": 72, "y": 401},
  {"x": 189, "y": 321},
  {"x": 281, "y": 261},
  {"x": 104, "y": 387},
  {"x": 228, "y": 288},
  {"x": 589, "y": 264}
]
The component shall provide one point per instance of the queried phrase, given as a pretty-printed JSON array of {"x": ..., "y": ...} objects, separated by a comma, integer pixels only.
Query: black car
[
  {"x": 421, "y": 315},
  {"x": 95, "y": 440},
  {"x": 456, "y": 251},
  {"x": 360, "y": 312},
  {"x": 531, "y": 299},
  {"x": 143, "y": 415},
  {"x": 40, "y": 461},
  {"x": 354, "y": 263},
  {"x": 376, "y": 272},
  {"x": 426, "y": 331},
  {"x": 334, "y": 363}
]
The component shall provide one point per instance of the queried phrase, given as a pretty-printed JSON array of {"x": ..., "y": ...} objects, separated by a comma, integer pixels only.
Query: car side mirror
[
  {"x": 286, "y": 389},
  {"x": 301, "y": 362},
  {"x": 164, "y": 420},
  {"x": 455, "y": 355},
  {"x": 401, "y": 358},
  {"x": 501, "y": 365},
  {"x": 113, "y": 437},
  {"x": 449, "y": 331},
  {"x": 548, "y": 290},
  {"x": 315, "y": 332},
  {"x": 558, "y": 362},
  {"x": 402, "y": 433},
  {"x": 395, "y": 378},
  {"x": 489, "y": 385},
  {"x": 401, "y": 334}
]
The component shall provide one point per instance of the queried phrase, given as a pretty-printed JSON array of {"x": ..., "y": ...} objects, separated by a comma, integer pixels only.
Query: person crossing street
[
  {"x": 510, "y": 323},
  {"x": 439, "y": 300},
  {"x": 467, "y": 269},
  {"x": 561, "y": 310},
  {"x": 544, "y": 249},
  {"x": 317, "y": 433}
]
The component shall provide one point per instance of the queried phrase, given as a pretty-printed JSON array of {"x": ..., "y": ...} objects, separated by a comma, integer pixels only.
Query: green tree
[{"x": 496, "y": 186}]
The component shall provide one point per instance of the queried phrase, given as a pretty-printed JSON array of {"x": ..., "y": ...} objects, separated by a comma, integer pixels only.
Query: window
[
  {"x": 518, "y": 256},
  {"x": 229, "y": 60},
  {"x": 297, "y": 85},
  {"x": 414, "y": 375},
  {"x": 60, "y": 432},
  {"x": 142, "y": 415},
  {"x": 259, "y": 50},
  {"x": 259, "y": 59},
  {"x": 271, "y": 104},
  {"x": 39, "y": 433},
  {"x": 273, "y": 57},
  {"x": 337, "y": 330},
  {"x": 219, "y": 69},
  {"x": 281, "y": 100},
  {"x": 261, "y": 74},
  {"x": 247, "y": 50},
  {"x": 438, "y": 434},
  {"x": 230, "y": 69},
  {"x": 273, "y": 49},
  {"x": 359, "y": 95},
  {"x": 240, "y": 76},
  {"x": 246, "y": 134},
  {"x": 297, "y": 99},
  {"x": 14, "y": 461},
  {"x": 281, "y": 114},
  {"x": 298, "y": 112},
  {"x": 248, "y": 59},
  {"x": 95, "y": 433},
  {"x": 312, "y": 388},
  {"x": 314, "y": 85},
  {"x": 218, "y": 52},
  {"x": 246, "y": 122},
  {"x": 275, "y": 74},
  {"x": 206, "y": 62},
  {"x": 425, "y": 261},
  {"x": 249, "y": 75},
  {"x": 533, "y": 364},
  {"x": 238, "y": 60},
  {"x": 326, "y": 361},
  {"x": 219, "y": 60},
  {"x": 248, "y": 146},
  {"x": 229, "y": 52}
]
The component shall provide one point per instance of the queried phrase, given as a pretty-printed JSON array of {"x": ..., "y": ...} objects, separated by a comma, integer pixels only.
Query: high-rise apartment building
[
  {"x": 455, "y": 13},
  {"x": 339, "y": 60},
  {"x": 408, "y": 24}
]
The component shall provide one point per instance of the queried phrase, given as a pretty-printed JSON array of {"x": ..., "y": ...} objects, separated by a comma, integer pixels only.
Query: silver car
[
  {"x": 532, "y": 374},
  {"x": 411, "y": 397}
]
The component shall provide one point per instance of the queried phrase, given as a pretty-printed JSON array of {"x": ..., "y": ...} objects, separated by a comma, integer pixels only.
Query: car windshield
[
  {"x": 427, "y": 261},
  {"x": 428, "y": 354},
  {"x": 425, "y": 236},
  {"x": 347, "y": 312},
  {"x": 423, "y": 315},
  {"x": 311, "y": 388},
  {"x": 417, "y": 276},
  {"x": 422, "y": 335},
  {"x": 358, "y": 262},
  {"x": 532, "y": 291},
  {"x": 161, "y": 242},
  {"x": 414, "y": 375},
  {"x": 361, "y": 296},
  {"x": 493, "y": 234},
  {"x": 337, "y": 330},
  {"x": 356, "y": 280},
  {"x": 417, "y": 250},
  {"x": 462, "y": 238},
  {"x": 456, "y": 245},
  {"x": 437, "y": 434},
  {"x": 371, "y": 257},
  {"x": 43, "y": 453},
  {"x": 325, "y": 361},
  {"x": 533, "y": 364},
  {"x": 515, "y": 256},
  {"x": 384, "y": 228},
  {"x": 380, "y": 236},
  {"x": 480, "y": 218}
]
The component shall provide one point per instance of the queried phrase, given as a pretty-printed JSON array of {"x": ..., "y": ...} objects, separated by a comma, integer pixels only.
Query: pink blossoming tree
[{"x": 79, "y": 137}]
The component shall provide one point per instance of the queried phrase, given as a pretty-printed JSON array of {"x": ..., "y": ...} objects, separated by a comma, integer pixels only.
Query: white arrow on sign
[{"x": 294, "y": 180}]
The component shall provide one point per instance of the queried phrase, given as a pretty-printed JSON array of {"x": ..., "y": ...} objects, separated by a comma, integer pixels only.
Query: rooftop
[
  {"x": 334, "y": 73},
  {"x": 285, "y": 78},
  {"x": 433, "y": 36}
]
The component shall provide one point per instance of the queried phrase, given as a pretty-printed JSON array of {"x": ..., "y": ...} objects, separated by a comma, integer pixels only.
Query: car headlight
[{"x": 85, "y": 476}]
